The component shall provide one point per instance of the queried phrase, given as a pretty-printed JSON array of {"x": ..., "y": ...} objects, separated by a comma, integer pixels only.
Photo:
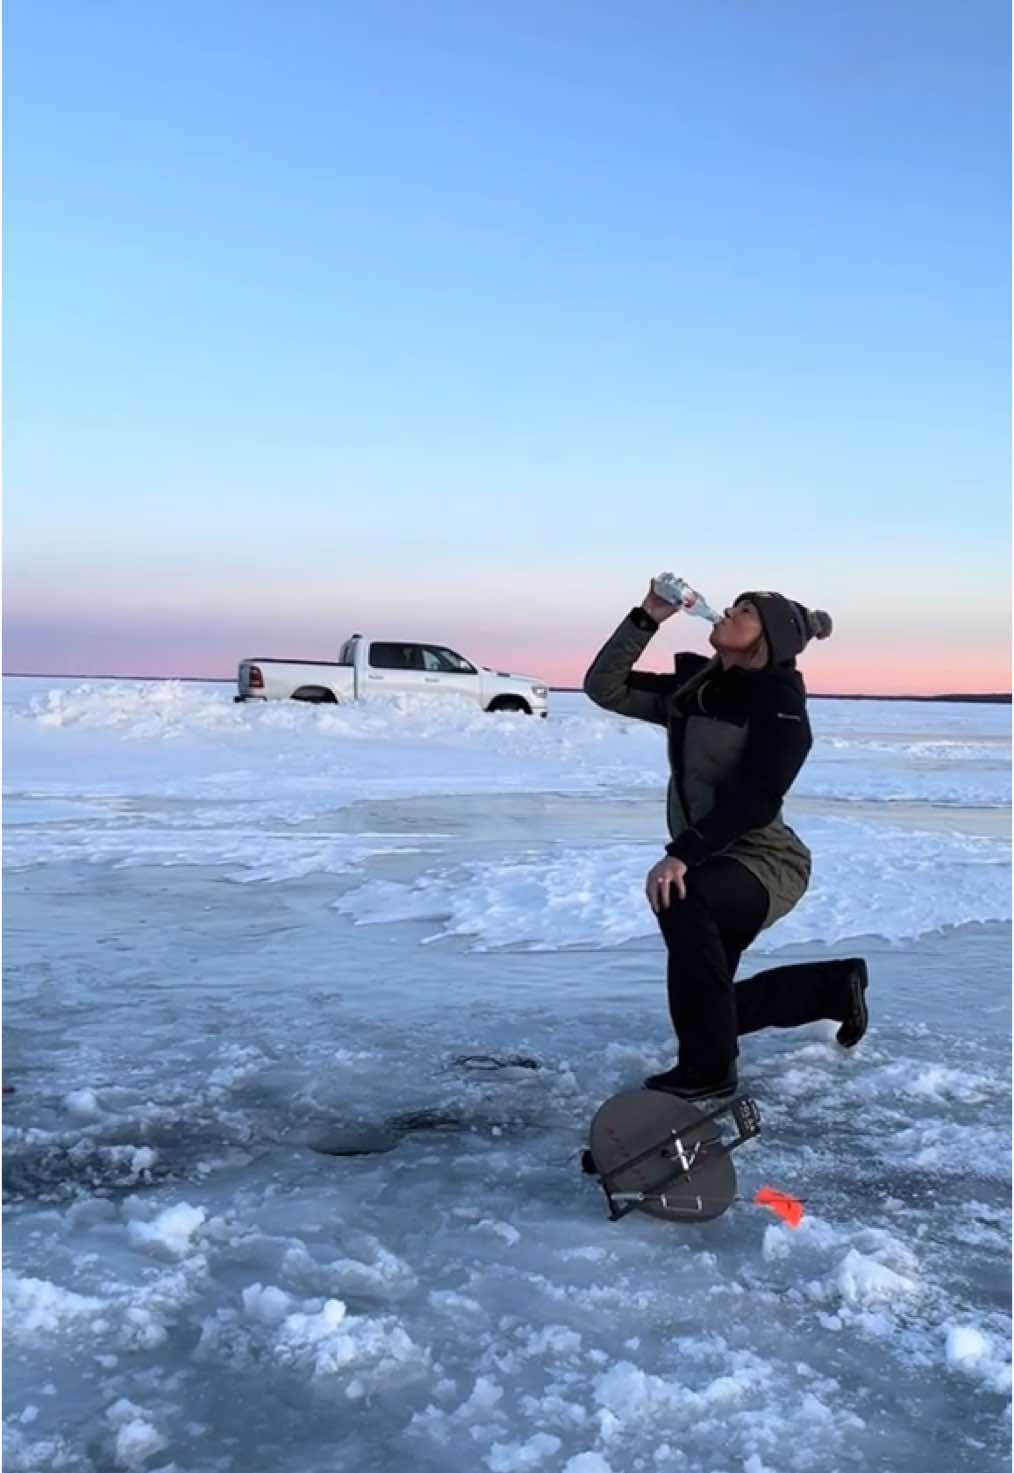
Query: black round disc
[{"x": 633, "y": 1122}]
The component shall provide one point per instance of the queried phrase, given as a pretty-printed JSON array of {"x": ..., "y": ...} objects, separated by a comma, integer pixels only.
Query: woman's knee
[{"x": 681, "y": 916}]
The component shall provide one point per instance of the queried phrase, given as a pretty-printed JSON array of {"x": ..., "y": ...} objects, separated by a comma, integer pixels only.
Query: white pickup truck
[{"x": 367, "y": 667}]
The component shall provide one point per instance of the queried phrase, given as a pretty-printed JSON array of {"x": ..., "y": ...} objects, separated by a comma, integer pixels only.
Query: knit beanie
[{"x": 788, "y": 626}]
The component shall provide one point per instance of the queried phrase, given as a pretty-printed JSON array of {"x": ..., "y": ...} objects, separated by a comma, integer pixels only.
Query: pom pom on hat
[{"x": 818, "y": 622}]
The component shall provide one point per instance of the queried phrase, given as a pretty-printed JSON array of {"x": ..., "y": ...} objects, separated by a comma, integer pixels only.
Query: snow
[
  {"x": 581, "y": 898},
  {"x": 235, "y": 931},
  {"x": 35, "y": 1308},
  {"x": 136, "y": 1440},
  {"x": 170, "y": 1233}
]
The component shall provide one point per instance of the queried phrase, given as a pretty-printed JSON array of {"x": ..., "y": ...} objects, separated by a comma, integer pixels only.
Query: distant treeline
[{"x": 988, "y": 698}]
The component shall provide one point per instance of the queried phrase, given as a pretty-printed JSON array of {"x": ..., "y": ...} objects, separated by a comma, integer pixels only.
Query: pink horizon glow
[{"x": 887, "y": 672}]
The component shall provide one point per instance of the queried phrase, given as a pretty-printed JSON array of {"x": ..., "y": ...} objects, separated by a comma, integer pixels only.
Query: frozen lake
[{"x": 232, "y": 930}]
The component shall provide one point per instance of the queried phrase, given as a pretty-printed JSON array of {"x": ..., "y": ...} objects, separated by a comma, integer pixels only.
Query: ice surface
[{"x": 231, "y": 930}]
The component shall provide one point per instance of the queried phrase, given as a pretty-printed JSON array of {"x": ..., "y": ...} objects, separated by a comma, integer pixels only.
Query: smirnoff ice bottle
[{"x": 677, "y": 591}]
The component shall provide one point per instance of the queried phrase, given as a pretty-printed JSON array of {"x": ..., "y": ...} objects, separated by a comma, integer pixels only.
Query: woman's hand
[
  {"x": 661, "y": 878},
  {"x": 658, "y": 608}
]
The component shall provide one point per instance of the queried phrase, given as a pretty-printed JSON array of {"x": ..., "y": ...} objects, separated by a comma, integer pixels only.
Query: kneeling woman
[{"x": 738, "y": 734}]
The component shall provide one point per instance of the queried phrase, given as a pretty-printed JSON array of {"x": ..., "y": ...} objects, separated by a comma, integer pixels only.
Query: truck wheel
[
  {"x": 510, "y": 703},
  {"x": 318, "y": 694}
]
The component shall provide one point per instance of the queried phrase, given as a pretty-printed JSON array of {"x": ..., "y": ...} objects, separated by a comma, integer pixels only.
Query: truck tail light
[{"x": 255, "y": 678}]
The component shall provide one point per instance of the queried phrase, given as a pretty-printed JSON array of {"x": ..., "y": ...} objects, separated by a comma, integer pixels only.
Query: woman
[{"x": 738, "y": 734}]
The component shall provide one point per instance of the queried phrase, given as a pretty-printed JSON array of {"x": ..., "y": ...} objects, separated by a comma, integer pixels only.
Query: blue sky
[{"x": 460, "y": 320}]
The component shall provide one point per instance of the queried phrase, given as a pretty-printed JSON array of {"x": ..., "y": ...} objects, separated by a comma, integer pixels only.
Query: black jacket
[{"x": 737, "y": 739}]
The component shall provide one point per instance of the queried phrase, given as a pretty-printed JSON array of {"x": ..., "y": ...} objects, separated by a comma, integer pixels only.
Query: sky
[{"x": 458, "y": 321}]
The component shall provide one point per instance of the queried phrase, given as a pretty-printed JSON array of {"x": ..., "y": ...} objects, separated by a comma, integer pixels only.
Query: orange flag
[{"x": 790, "y": 1209}]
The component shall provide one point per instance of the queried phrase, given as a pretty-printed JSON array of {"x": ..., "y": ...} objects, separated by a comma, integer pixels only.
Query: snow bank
[{"x": 582, "y": 897}]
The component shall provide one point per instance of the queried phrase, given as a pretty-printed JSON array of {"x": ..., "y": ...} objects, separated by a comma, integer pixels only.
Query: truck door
[
  {"x": 394, "y": 668},
  {"x": 448, "y": 673}
]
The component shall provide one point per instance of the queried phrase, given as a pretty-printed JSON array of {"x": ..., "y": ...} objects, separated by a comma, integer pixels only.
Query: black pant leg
[
  {"x": 705, "y": 935},
  {"x": 784, "y": 997}
]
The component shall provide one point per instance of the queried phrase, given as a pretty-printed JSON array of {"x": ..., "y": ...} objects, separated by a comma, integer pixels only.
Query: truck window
[
  {"x": 439, "y": 658},
  {"x": 396, "y": 656},
  {"x": 346, "y": 653}
]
